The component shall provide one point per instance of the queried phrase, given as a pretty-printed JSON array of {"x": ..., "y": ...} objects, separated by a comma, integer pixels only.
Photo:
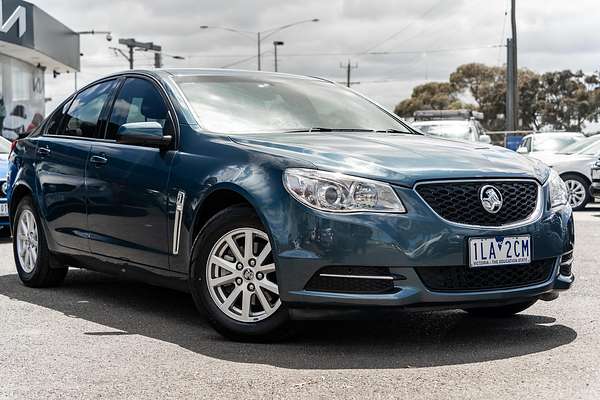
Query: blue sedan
[
  {"x": 271, "y": 197},
  {"x": 5, "y": 146}
]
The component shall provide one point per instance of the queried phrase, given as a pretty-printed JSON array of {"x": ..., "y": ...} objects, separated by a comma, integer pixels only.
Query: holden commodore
[{"x": 273, "y": 197}]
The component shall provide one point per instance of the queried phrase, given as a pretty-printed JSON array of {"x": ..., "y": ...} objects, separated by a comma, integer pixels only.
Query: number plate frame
[{"x": 507, "y": 250}]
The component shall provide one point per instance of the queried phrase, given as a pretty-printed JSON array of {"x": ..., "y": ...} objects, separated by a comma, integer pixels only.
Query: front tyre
[
  {"x": 32, "y": 257},
  {"x": 501, "y": 311},
  {"x": 233, "y": 277}
]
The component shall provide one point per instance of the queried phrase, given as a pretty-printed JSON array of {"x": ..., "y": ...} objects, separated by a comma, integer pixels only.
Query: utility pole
[
  {"x": 133, "y": 44},
  {"x": 275, "y": 44},
  {"x": 512, "y": 77},
  {"x": 158, "y": 60},
  {"x": 349, "y": 67}
]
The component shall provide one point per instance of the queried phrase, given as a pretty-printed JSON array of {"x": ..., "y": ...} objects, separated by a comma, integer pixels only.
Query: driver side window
[{"x": 138, "y": 101}]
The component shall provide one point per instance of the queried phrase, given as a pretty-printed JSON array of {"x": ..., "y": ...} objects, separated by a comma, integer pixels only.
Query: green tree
[
  {"x": 430, "y": 96},
  {"x": 569, "y": 99}
]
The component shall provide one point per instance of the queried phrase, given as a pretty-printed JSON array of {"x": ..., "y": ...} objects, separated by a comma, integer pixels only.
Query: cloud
[{"x": 553, "y": 34}]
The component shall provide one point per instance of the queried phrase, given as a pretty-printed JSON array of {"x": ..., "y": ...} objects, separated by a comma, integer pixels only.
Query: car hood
[{"x": 402, "y": 159}]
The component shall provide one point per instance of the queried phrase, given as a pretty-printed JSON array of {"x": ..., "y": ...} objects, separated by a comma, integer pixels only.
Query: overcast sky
[{"x": 429, "y": 38}]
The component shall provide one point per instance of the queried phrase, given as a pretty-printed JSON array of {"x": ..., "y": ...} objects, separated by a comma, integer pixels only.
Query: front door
[
  {"x": 62, "y": 153},
  {"x": 127, "y": 184}
]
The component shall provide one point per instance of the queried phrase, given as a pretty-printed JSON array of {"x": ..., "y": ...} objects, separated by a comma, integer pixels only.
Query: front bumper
[
  {"x": 310, "y": 240},
  {"x": 4, "y": 220},
  {"x": 595, "y": 189}
]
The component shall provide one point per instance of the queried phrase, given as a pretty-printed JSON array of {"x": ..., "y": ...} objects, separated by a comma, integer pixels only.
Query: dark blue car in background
[
  {"x": 271, "y": 197},
  {"x": 5, "y": 146}
]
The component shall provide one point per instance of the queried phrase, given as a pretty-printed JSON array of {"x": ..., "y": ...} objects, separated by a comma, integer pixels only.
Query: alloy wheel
[
  {"x": 241, "y": 277},
  {"x": 576, "y": 191},
  {"x": 27, "y": 241}
]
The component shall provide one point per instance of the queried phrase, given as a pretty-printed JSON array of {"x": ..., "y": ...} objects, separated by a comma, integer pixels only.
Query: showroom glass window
[
  {"x": 81, "y": 119},
  {"x": 138, "y": 101}
]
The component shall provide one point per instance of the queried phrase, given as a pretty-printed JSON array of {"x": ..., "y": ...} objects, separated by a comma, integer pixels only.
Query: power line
[
  {"x": 404, "y": 28},
  {"x": 503, "y": 31},
  {"x": 346, "y": 53}
]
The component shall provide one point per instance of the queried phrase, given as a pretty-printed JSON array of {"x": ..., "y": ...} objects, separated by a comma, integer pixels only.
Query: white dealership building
[{"x": 31, "y": 44}]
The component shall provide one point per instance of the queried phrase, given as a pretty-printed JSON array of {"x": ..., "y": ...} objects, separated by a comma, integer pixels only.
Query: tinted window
[
  {"x": 138, "y": 101},
  {"x": 52, "y": 127},
  {"x": 82, "y": 118}
]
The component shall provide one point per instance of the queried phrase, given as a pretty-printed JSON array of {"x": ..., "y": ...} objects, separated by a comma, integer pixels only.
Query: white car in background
[
  {"x": 574, "y": 164},
  {"x": 545, "y": 144},
  {"x": 451, "y": 124}
]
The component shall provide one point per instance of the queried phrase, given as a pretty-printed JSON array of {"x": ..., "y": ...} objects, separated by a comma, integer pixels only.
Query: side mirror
[
  {"x": 143, "y": 134},
  {"x": 485, "y": 139},
  {"x": 522, "y": 150}
]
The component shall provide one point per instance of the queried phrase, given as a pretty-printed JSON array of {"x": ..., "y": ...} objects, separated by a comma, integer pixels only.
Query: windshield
[
  {"x": 552, "y": 143},
  {"x": 4, "y": 146},
  {"x": 232, "y": 104},
  {"x": 450, "y": 131},
  {"x": 578, "y": 146}
]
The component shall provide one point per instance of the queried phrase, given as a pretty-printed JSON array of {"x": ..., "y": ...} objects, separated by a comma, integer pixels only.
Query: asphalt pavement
[{"x": 100, "y": 337}]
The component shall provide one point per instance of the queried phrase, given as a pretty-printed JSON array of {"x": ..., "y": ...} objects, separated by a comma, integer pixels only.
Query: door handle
[
  {"x": 98, "y": 160},
  {"x": 43, "y": 151}
]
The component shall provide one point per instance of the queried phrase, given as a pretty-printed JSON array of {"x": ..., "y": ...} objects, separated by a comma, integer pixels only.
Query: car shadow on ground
[{"x": 408, "y": 340}]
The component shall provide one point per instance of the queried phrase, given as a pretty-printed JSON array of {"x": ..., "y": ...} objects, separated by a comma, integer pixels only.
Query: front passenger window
[{"x": 138, "y": 101}]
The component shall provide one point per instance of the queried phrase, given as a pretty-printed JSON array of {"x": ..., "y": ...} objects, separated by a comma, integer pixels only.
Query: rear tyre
[
  {"x": 34, "y": 262},
  {"x": 501, "y": 311},
  {"x": 233, "y": 278},
  {"x": 578, "y": 190}
]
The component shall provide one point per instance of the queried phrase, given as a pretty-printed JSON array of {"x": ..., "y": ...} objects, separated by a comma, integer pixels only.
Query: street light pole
[
  {"x": 275, "y": 44},
  {"x": 260, "y": 35},
  {"x": 93, "y": 32},
  {"x": 258, "y": 45}
]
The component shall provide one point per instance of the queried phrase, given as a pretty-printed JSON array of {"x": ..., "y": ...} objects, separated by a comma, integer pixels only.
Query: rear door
[
  {"x": 62, "y": 153},
  {"x": 127, "y": 184}
]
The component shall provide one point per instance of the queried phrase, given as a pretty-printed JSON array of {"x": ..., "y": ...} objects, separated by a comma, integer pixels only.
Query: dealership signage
[
  {"x": 19, "y": 16},
  {"x": 48, "y": 42}
]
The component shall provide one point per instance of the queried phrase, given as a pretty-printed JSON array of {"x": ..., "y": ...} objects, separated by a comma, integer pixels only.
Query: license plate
[
  {"x": 3, "y": 210},
  {"x": 596, "y": 174},
  {"x": 499, "y": 250}
]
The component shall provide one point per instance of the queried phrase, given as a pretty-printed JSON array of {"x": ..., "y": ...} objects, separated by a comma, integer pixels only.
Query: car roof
[
  {"x": 546, "y": 135},
  {"x": 443, "y": 122}
]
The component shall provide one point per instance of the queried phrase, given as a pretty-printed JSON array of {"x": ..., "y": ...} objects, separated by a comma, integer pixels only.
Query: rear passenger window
[
  {"x": 138, "y": 101},
  {"x": 82, "y": 118},
  {"x": 52, "y": 128}
]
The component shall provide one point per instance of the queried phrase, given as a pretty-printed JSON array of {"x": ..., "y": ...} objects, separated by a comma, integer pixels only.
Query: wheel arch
[
  {"x": 219, "y": 198},
  {"x": 19, "y": 191},
  {"x": 578, "y": 174}
]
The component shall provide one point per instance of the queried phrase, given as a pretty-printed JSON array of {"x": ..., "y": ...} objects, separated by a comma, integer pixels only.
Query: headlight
[
  {"x": 328, "y": 191},
  {"x": 559, "y": 196}
]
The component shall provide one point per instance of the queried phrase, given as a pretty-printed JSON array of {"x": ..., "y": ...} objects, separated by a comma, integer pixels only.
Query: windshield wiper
[
  {"x": 324, "y": 129},
  {"x": 391, "y": 130}
]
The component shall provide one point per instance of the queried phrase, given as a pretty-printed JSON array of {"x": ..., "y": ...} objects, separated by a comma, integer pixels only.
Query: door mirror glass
[
  {"x": 143, "y": 134},
  {"x": 485, "y": 139}
]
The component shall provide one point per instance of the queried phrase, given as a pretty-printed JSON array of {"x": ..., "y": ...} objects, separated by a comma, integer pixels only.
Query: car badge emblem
[{"x": 491, "y": 199}]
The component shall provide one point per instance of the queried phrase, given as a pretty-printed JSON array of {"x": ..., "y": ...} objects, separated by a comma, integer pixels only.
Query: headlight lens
[
  {"x": 328, "y": 191},
  {"x": 559, "y": 196}
]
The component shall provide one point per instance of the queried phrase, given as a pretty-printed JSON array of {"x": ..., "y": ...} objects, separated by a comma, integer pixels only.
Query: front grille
[
  {"x": 463, "y": 278},
  {"x": 349, "y": 280},
  {"x": 459, "y": 202}
]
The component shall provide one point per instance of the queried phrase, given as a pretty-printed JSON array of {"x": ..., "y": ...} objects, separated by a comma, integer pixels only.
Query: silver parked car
[{"x": 574, "y": 164}]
